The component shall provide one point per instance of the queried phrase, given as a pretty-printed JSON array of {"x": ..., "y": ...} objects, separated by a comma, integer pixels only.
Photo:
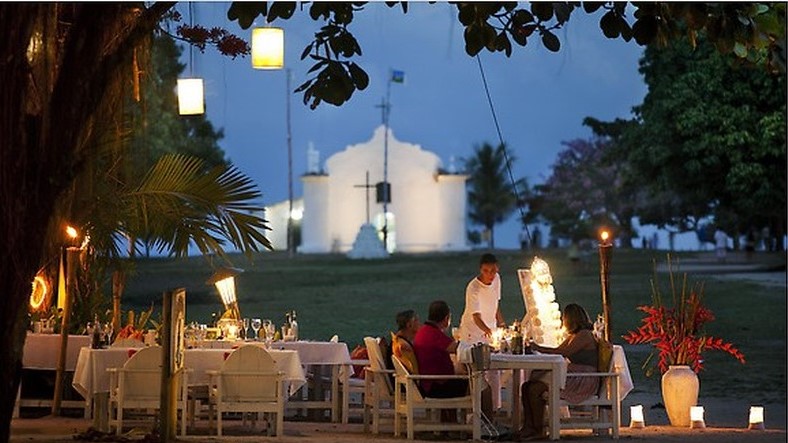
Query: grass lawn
[{"x": 335, "y": 295}]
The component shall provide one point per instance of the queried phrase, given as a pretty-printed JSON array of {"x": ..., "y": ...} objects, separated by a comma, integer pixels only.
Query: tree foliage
[
  {"x": 588, "y": 190},
  {"x": 709, "y": 140},
  {"x": 491, "y": 194},
  {"x": 754, "y": 32}
]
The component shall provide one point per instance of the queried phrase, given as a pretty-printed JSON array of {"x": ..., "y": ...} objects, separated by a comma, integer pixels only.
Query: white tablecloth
[
  {"x": 310, "y": 352},
  {"x": 43, "y": 350},
  {"x": 91, "y": 377}
]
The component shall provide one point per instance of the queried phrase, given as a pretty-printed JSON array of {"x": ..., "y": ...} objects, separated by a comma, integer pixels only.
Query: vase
[{"x": 680, "y": 387}]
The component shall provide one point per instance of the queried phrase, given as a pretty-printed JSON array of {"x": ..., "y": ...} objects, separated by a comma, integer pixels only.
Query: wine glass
[
  {"x": 256, "y": 324},
  {"x": 246, "y": 328},
  {"x": 270, "y": 330}
]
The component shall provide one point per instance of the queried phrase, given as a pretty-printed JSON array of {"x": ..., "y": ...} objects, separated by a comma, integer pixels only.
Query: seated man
[{"x": 433, "y": 348}]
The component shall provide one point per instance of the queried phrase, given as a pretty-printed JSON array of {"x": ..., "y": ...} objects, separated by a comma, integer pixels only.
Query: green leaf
[
  {"x": 645, "y": 30},
  {"x": 246, "y": 12},
  {"x": 740, "y": 50},
  {"x": 521, "y": 17},
  {"x": 359, "y": 76},
  {"x": 591, "y": 7},
  {"x": 550, "y": 41},
  {"x": 284, "y": 10},
  {"x": 542, "y": 10},
  {"x": 473, "y": 40},
  {"x": 609, "y": 24}
]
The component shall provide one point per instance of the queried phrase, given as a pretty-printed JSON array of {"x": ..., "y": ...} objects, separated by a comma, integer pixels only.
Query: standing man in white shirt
[{"x": 482, "y": 314}]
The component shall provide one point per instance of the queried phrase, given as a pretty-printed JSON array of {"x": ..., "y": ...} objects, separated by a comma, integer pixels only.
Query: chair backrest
[
  {"x": 401, "y": 371},
  {"x": 141, "y": 377},
  {"x": 248, "y": 373},
  {"x": 377, "y": 362}
]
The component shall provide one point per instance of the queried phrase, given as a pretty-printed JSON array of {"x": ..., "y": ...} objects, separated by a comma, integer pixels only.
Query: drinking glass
[
  {"x": 246, "y": 328},
  {"x": 256, "y": 324},
  {"x": 269, "y": 329}
]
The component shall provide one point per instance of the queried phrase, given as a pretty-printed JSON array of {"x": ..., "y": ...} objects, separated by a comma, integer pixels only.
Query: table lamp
[{"x": 224, "y": 280}]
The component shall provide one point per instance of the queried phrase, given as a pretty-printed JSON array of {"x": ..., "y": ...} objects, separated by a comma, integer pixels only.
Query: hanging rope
[{"x": 503, "y": 145}]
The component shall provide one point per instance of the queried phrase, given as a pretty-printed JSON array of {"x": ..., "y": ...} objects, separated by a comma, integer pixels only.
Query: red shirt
[{"x": 430, "y": 346}]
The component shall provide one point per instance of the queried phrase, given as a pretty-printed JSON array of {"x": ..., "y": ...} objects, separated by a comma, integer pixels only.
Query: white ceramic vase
[{"x": 680, "y": 387}]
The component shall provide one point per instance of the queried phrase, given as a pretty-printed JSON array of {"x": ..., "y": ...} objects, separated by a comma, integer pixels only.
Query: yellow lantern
[
  {"x": 268, "y": 48},
  {"x": 224, "y": 280},
  {"x": 191, "y": 96}
]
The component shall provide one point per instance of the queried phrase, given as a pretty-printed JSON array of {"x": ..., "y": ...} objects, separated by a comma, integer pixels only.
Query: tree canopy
[
  {"x": 708, "y": 140},
  {"x": 753, "y": 32}
]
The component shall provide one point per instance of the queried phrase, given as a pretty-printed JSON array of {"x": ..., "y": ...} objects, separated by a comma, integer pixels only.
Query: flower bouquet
[{"x": 676, "y": 330}]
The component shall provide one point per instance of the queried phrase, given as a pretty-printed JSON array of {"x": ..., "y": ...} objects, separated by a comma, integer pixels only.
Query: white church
[{"x": 426, "y": 209}]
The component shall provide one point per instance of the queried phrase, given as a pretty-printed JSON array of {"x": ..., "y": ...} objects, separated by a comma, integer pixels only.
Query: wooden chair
[
  {"x": 378, "y": 389},
  {"x": 248, "y": 382},
  {"x": 599, "y": 412},
  {"x": 137, "y": 385},
  {"x": 408, "y": 400}
]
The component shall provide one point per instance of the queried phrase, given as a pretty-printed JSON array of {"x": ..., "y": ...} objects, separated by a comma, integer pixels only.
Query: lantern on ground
[
  {"x": 696, "y": 417},
  {"x": 636, "y": 417},
  {"x": 191, "y": 96},
  {"x": 268, "y": 48},
  {"x": 756, "y": 419}
]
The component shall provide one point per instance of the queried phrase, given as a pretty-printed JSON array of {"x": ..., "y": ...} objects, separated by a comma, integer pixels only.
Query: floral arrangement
[
  {"x": 677, "y": 331},
  {"x": 136, "y": 325}
]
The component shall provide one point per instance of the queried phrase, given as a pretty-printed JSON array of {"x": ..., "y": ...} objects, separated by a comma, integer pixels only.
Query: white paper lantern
[
  {"x": 268, "y": 48},
  {"x": 756, "y": 418},
  {"x": 636, "y": 417},
  {"x": 191, "y": 96},
  {"x": 696, "y": 417}
]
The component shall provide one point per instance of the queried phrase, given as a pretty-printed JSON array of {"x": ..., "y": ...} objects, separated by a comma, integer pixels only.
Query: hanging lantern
[
  {"x": 191, "y": 97},
  {"x": 268, "y": 48}
]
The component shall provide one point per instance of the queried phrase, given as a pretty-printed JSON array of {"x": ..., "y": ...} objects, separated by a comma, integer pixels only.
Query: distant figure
[
  {"x": 654, "y": 241},
  {"x": 523, "y": 237},
  {"x": 643, "y": 243},
  {"x": 721, "y": 244},
  {"x": 536, "y": 239}
]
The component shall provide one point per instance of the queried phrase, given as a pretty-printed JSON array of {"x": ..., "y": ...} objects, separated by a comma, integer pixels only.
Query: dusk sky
[{"x": 540, "y": 97}]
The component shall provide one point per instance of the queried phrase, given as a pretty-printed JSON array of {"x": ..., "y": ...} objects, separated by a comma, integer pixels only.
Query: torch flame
[
  {"x": 71, "y": 232},
  {"x": 604, "y": 235}
]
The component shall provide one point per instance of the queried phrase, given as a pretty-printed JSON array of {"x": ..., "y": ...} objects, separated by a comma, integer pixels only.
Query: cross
[{"x": 367, "y": 186}]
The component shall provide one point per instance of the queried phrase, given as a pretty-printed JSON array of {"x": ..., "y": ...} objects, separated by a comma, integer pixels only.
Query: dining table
[
  {"x": 91, "y": 378},
  {"x": 522, "y": 365},
  {"x": 42, "y": 352}
]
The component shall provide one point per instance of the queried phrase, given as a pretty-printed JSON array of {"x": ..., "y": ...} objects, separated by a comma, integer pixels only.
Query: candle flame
[
  {"x": 604, "y": 235},
  {"x": 71, "y": 232}
]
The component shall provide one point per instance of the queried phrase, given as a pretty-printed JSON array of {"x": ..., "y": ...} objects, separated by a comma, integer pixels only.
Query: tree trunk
[{"x": 56, "y": 61}]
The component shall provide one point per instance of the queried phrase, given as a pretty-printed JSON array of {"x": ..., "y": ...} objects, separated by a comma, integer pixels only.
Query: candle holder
[
  {"x": 756, "y": 419},
  {"x": 605, "y": 251},
  {"x": 636, "y": 417},
  {"x": 696, "y": 417}
]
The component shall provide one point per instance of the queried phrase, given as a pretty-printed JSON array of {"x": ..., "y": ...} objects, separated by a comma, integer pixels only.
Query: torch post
[{"x": 605, "y": 252}]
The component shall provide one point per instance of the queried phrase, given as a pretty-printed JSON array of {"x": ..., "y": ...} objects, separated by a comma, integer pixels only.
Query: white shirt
[
  {"x": 483, "y": 299},
  {"x": 721, "y": 238}
]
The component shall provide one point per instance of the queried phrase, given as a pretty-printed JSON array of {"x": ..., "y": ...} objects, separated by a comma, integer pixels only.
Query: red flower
[{"x": 677, "y": 332}]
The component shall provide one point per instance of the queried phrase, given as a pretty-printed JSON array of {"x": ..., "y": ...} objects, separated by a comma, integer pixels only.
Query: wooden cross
[{"x": 367, "y": 186}]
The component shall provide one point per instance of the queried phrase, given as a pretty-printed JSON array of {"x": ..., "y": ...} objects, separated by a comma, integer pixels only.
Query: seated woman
[{"x": 580, "y": 347}]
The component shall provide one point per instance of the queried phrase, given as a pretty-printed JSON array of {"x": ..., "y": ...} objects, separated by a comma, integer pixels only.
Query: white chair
[
  {"x": 408, "y": 400},
  {"x": 137, "y": 385},
  {"x": 248, "y": 382},
  {"x": 599, "y": 412},
  {"x": 378, "y": 389}
]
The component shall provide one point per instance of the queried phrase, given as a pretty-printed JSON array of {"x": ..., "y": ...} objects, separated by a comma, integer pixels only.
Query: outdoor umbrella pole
[{"x": 72, "y": 255}]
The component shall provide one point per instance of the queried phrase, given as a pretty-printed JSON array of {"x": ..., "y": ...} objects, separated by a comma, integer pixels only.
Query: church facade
[{"x": 426, "y": 209}]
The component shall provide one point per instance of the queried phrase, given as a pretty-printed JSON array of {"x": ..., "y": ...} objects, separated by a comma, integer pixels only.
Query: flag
[{"x": 397, "y": 76}]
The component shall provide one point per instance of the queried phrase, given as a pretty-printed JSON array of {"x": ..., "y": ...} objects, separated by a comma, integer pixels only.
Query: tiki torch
[{"x": 605, "y": 250}]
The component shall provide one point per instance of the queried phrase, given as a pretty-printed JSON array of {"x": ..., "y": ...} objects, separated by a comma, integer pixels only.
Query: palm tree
[{"x": 491, "y": 194}]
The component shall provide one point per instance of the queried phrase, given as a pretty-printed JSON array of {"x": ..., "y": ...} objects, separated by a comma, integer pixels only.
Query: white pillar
[
  {"x": 314, "y": 225},
  {"x": 453, "y": 208}
]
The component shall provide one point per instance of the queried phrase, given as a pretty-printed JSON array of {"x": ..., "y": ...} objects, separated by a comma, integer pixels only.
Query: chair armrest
[
  {"x": 360, "y": 362},
  {"x": 437, "y": 377},
  {"x": 593, "y": 374},
  {"x": 378, "y": 371}
]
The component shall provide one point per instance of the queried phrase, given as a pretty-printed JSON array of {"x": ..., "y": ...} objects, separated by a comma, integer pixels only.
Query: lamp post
[{"x": 605, "y": 251}]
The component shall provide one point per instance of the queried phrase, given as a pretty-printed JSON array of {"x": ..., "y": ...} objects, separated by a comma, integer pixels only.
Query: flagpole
[{"x": 386, "y": 110}]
